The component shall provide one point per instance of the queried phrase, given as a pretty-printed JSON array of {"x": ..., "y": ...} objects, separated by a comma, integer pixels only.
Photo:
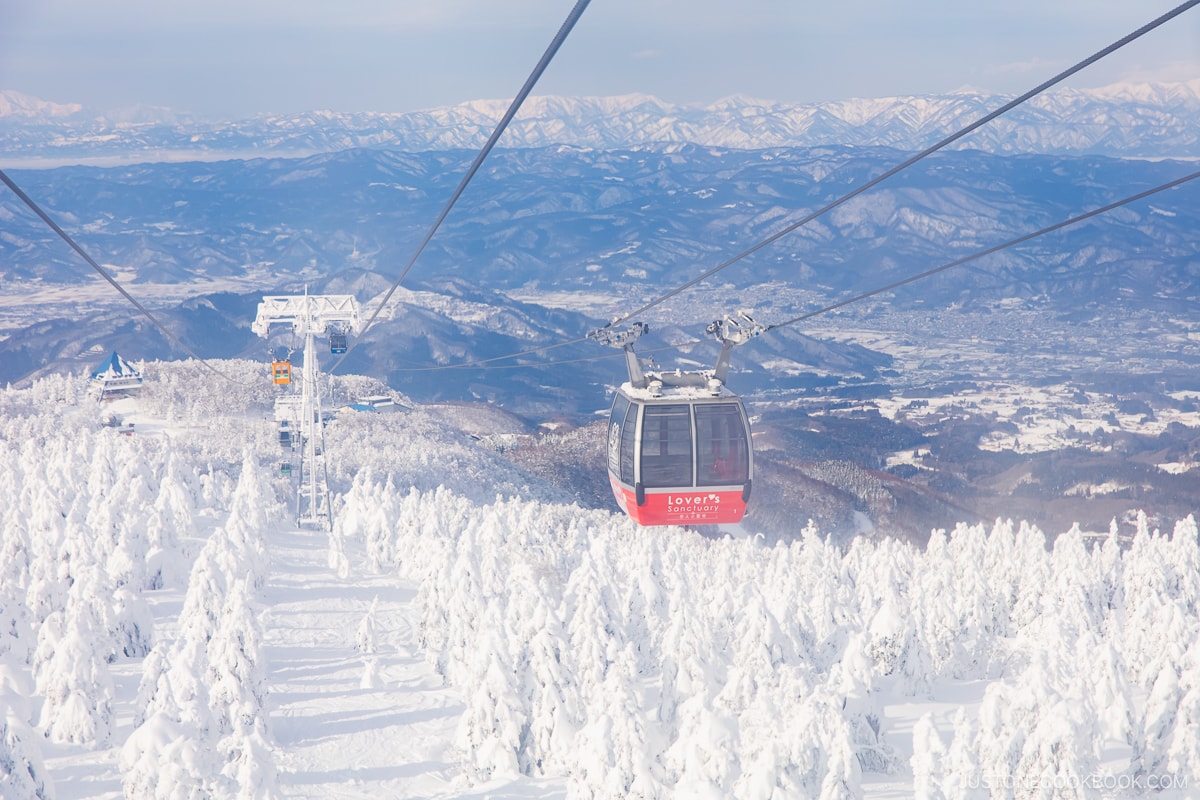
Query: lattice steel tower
[{"x": 310, "y": 315}]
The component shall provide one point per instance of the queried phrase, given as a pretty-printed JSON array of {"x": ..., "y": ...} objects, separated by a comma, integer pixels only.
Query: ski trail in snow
[{"x": 335, "y": 739}]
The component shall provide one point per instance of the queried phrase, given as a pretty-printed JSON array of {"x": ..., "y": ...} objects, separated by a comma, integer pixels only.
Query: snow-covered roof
[
  {"x": 668, "y": 391},
  {"x": 115, "y": 367},
  {"x": 114, "y": 375},
  {"x": 377, "y": 401}
]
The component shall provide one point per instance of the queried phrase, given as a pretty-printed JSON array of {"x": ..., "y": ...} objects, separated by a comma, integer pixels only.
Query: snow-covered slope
[{"x": 165, "y": 631}]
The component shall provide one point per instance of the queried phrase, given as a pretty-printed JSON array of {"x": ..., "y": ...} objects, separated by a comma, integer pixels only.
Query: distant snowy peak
[
  {"x": 1142, "y": 120},
  {"x": 1183, "y": 94},
  {"x": 22, "y": 106}
]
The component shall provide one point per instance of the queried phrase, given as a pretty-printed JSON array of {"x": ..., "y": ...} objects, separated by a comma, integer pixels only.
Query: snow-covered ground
[
  {"x": 1044, "y": 418},
  {"x": 165, "y": 631},
  {"x": 355, "y": 708}
]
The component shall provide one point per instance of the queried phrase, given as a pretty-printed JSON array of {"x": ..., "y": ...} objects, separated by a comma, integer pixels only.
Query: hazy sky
[{"x": 236, "y": 58}]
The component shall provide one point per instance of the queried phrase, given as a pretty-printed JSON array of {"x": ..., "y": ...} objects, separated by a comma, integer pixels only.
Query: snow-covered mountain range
[
  {"x": 1143, "y": 120},
  {"x": 480, "y": 621},
  {"x": 1094, "y": 321}
]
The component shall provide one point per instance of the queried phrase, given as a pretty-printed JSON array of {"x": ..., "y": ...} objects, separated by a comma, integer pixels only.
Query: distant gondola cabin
[{"x": 281, "y": 372}]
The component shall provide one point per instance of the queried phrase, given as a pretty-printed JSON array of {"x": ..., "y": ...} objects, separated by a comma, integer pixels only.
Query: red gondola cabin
[
  {"x": 679, "y": 446},
  {"x": 681, "y": 457}
]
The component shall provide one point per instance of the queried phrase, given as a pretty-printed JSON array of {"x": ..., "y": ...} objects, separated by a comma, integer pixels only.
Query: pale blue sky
[{"x": 236, "y": 58}]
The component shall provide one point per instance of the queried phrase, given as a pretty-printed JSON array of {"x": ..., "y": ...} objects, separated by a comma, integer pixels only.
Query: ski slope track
[
  {"x": 354, "y": 715},
  {"x": 465, "y": 632}
]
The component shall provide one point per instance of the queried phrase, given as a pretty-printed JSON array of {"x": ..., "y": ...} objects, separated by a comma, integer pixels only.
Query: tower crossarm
[{"x": 304, "y": 313}]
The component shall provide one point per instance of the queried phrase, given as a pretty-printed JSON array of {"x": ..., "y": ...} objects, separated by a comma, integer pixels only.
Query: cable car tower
[{"x": 310, "y": 316}]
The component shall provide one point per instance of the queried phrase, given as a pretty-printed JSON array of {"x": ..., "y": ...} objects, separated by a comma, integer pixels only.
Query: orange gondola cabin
[{"x": 281, "y": 372}]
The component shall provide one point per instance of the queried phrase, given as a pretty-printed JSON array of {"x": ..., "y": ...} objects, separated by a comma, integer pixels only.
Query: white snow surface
[
  {"x": 165, "y": 631},
  {"x": 335, "y": 737}
]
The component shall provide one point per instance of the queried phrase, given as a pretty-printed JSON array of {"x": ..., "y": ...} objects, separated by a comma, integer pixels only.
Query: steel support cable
[
  {"x": 36, "y": 209},
  {"x": 865, "y": 295},
  {"x": 1059, "y": 78},
  {"x": 513, "y": 107},
  {"x": 581, "y": 360}
]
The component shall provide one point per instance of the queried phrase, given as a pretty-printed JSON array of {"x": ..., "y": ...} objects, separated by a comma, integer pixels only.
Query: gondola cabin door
[{"x": 680, "y": 458}]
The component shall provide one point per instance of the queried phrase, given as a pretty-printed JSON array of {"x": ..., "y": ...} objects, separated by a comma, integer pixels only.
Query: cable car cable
[
  {"x": 556, "y": 43},
  {"x": 1157, "y": 22},
  {"x": 33, "y": 206},
  {"x": 513, "y": 107},
  {"x": 540, "y": 68},
  {"x": 477, "y": 364}
]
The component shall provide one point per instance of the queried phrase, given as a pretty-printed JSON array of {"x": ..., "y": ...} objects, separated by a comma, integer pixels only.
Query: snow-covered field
[
  {"x": 1043, "y": 418},
  {"x": 165, "y": 631}
]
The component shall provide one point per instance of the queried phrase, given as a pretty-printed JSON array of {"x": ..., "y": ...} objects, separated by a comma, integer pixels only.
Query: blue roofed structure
[{"x": 115, "y": 374}]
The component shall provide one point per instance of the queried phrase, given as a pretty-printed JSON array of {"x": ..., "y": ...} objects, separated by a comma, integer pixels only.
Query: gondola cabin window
[
  {"x": 622, "y": 438},
  {"x": 722, "y": 450},
  {"x": 695, "y": 444},
  {"x": 667, "y": 446}
]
